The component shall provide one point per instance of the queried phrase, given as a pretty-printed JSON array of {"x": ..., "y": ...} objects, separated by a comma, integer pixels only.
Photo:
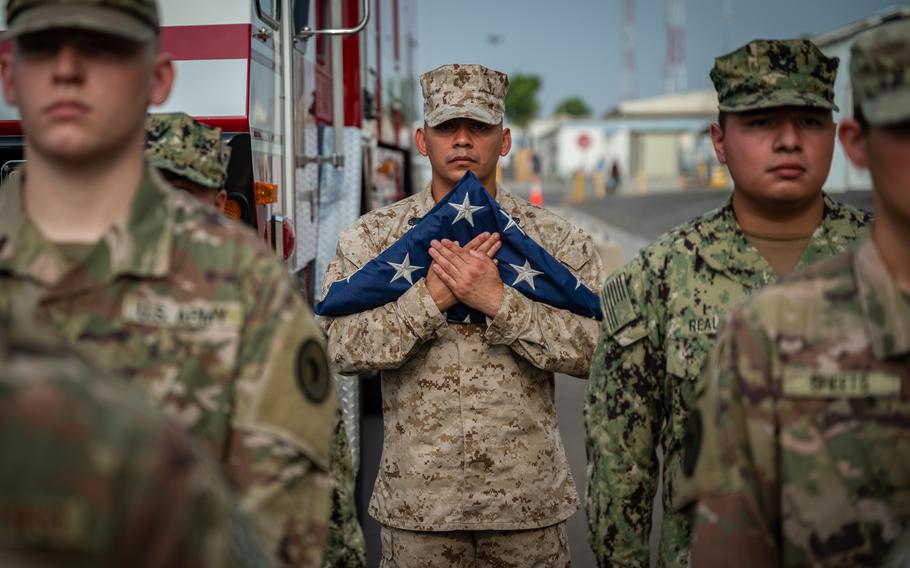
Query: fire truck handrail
[{"x": 306, "y": 33}]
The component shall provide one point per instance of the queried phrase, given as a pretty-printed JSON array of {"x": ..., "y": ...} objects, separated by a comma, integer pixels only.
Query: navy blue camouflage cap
[{"x": 774, "y": 73}]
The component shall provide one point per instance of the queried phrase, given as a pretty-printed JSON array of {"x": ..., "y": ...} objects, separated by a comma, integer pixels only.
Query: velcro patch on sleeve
[
  {"x": 617, "y": 302},
  {"x": 295, "y": 397}
]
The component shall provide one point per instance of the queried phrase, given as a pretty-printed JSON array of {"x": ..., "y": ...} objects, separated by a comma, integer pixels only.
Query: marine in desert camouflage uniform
[
  {"x": 147, "y": 282},
  {"x": 92, "y": 475},
  {"x": 192, "y": 156},
  {"x": 662, "y": 310},
  {"x": 473, "y": 470},
  {"x": 800, "y": 446}
]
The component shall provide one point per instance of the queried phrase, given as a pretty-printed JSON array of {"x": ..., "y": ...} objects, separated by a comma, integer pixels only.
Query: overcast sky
[{"x": 576, "y": 46}]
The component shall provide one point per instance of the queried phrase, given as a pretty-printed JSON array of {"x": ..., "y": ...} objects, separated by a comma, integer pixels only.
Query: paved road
[{"x": 649, "y": 216}]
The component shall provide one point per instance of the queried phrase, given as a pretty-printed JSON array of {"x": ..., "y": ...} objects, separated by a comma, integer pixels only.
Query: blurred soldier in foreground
[
  {"x": 149, "y": 283},
  {"x": 473, "y": 470},
  {"x": 801, "y": 438},
  {"x": 190, "y": 155},
  {"x": 91, "y": 475},
  {"x": 661, "y": 311}
]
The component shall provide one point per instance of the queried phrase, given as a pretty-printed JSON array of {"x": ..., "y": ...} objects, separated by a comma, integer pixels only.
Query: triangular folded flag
[{"x": 462, "y": 214}]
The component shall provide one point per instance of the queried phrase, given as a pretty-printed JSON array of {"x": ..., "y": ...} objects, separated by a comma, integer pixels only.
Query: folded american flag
[{"x": 467, "y": 211}]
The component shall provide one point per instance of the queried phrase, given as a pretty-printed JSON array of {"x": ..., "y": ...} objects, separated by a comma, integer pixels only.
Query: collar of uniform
[
  {"x": 886, "y": 309},
  {"x": 12, "y": 216},
  {"x": 139, "y": 246},
  {"x": 724, "y": 246}
]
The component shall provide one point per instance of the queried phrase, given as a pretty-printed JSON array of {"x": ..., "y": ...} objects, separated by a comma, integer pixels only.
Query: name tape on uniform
[
  {"x": 189, "y": 315},
  {"x": 811, "y": 383}
]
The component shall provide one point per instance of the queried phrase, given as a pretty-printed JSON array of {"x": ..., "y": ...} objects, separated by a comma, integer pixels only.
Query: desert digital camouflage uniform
[
  {"x": 197, "y": 312},
  {"x": 661, "y": 315},
  {"x": 546, "y": 547},
  {"x": 471, "y": 441},
  {"x": 799, "y": 451},
  {"x": 91, "y": 475},
  {"x": 804, "y": 426},
  {"x": 185, "y": 147}
]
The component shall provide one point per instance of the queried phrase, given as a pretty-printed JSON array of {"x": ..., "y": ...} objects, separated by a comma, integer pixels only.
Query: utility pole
[{"x": 675, "y": 67}]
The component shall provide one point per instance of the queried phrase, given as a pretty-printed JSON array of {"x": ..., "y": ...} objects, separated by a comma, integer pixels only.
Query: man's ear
[
  {"x": 162, "y": 79},
  {"x": 506, "y": 142},
  {"x": 420, "y": 140},
  {"x": 6, "y": 74},
  {"x": 717, "y": 139},
  {"x": 220, "y": 200},
  {"x": 853, "y": 140}
]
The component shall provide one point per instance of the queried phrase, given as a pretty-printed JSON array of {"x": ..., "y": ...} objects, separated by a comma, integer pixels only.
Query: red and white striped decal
[{"x": 212, "y": 75}]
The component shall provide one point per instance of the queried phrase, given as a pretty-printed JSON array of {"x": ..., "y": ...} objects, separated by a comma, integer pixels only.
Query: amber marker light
[{"x": 265, "y": 193}]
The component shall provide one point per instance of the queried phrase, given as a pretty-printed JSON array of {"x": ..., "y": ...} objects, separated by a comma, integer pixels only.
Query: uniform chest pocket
[
  {"x": 184, "y": 355},
  {"x": 686, "y": 354},
  {"x": 845, "y": 461}
]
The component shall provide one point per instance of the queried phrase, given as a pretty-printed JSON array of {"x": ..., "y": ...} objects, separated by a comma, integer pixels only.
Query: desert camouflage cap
[
  {"x": 135, "y": 20},
  {"x": 773, "y": 73},
  {"x": 880, "y": 73},
  {"x": 182, "y": 146},
  {"x": 463, "y": 91}
]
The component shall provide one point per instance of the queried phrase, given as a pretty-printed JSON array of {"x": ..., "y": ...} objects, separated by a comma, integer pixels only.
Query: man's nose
[
  {"x": 463, "y": 136},
  {"x": 788, "y": 136},
  {"x": 67, "y": 64}
]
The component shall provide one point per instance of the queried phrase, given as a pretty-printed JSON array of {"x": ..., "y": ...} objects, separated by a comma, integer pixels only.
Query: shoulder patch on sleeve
[
  {"x": 313, "y": 374},
  {"x": 617, "y": 303}
]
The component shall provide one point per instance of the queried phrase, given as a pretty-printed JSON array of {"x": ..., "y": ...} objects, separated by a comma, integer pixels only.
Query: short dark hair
[{"x": 722, "y": 115}]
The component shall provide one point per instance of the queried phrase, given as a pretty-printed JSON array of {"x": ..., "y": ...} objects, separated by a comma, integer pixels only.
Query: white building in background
[
  {"x": 663, "y": 143},
  {"x": 844, "y": 176},
  {"x": 654, "y": 141}
]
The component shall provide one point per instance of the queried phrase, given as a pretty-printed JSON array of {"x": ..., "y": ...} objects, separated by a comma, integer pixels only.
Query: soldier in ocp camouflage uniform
[
  {"x": 147, "y": 282},
  {"x": 473, "y": 470},
  {"x": 91, "y": 475},
  {"x": 801, "y": 438},
  {"x": 662, "y": 310},
  {"x": 191, "y": 156}
]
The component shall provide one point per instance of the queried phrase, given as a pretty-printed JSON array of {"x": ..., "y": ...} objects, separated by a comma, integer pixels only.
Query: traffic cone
[{"x": 536, "y": 194}]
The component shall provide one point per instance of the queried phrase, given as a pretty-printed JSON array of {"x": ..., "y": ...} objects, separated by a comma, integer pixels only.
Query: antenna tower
[
  {"x": 628, "y": 37},
  {"x": 675, "y": 69}
]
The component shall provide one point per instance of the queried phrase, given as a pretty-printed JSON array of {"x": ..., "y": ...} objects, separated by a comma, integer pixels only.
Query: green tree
[
  {"x": 573, "y": 106},
  {"x": 521, "y": 100}
]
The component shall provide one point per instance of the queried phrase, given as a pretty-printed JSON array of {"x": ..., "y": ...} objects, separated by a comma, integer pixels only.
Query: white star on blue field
[
  {"x": 404, "y": 269},
  {"x": 466, "y": 211},
  {"x": 525, "y": 274}
]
